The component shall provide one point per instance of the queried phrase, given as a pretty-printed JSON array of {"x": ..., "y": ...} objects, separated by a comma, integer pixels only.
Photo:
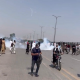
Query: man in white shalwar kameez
[
  {"x": 13, "y": 47},
  {"x": 10, "y": 45},
  {"x": 33, "y": 44}
]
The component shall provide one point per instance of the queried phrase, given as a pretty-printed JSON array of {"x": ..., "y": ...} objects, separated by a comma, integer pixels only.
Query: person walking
[
  {"x": 31, "y": 45},
  {"x": 36, "y": 58},
  {"x": 27, "y": 49},
  {"x": 3, "y": 48},
  {"x": 63, "y": 48},
  {"x": 13, "y": 47},
  {"x": 39, "y": 44},
  {"x": 77, "y": 49},
  {"x": 73, "y": 49},
  {"x": 10, "y": 44},
  {"x": 0, "y": 45}
]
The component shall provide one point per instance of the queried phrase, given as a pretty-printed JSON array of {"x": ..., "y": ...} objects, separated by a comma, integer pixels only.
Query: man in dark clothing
[
  {"x": 0, "y": 45},
  {"x": 31, "y": 45},
  {"x": 27, "y": 49},
  {"x": 39, "y": 44},
  {"x": 63, "y": 48},
  {"x": 73, "y": 49},
  {"x": 55, "y": 52},
  {"x": 36, "y": 52},
  {"x": 68, "y": 47}
]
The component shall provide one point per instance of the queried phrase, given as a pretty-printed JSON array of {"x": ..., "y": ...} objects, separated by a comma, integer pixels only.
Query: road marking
[
  {"x": 66, "y": 76},
  {"x": 51, "y": 70},
  {"x": 70, "y": 74},
  {"x": 46, "y": 58},
  {"x": 56, "y": 74},
  {"x": 65, "y": 71},
  {"x": 75, "y": 59}
]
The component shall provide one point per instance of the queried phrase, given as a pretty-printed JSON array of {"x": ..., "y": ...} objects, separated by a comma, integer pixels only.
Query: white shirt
[
  {"x": 10, "y": 41},
  {"x": 33, "y": 45}
]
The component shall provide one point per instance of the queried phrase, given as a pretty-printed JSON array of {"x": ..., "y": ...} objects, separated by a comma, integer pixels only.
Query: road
[{"x": 17, "y": 67}]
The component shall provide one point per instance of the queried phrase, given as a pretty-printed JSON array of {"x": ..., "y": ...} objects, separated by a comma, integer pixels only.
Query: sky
[{"x": 23, "y": 17}]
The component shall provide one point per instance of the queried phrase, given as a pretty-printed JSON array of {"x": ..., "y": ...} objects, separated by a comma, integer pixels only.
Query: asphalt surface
[{"x": 18, "y": 66}]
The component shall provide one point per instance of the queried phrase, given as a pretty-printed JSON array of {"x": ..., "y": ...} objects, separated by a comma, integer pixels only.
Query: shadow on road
[
  {"x": 33, "y": 74},
  {"x": 51, "y": 66},
  {"x": 30, "y": 72},
  {"x": 28, "y": 68},
  {"x": 78, "y": 75}
]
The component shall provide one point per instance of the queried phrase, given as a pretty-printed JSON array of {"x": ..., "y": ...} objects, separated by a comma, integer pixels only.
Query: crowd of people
[
  {"x": 58, "y": 49},
  {"x": 36, "y": 51},
  {"x": 3, "y": 46},
  {"x": 64, "y": 49},
  {"x": 74, "y": 48},
  {"x": 30, "y": 46}
]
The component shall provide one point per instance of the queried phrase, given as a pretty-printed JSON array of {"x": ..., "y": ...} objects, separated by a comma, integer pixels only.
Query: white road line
[{"x": 75, "y": 59}]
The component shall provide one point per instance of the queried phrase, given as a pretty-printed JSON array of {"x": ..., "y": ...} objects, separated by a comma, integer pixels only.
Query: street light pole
[
  {"x": 27, "y": 37},
  {"x": 41, "y": 31},
  {"x": 37, "y": 36},
  {"x": 54, "y": 33},
  {"x": 30, "y": 36},
  {"x": 34, "y": 36},
  {"x": 43, "y": 34},
  {"x": 55, "y": 26}
]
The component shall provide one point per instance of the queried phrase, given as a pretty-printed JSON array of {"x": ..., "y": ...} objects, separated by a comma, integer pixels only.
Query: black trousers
[
  {"x": 0, "y": 47},
  {"x": 54, "y": 58},
  {"x": 37, "y": 64},
  {"x": 74, "y": 51}
]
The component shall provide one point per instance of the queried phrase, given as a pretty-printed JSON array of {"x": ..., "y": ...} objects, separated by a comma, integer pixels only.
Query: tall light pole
[
  {"x": 37, "y": 36},
  {"x": 34, "y": 35},
  {"x": 30, "y": 36},
  {"x": 41, "y": 31},
  {"x": 27, "y": 37},
  {"x": 55, "y": 26},
  {"x": 43, "y": 34}
]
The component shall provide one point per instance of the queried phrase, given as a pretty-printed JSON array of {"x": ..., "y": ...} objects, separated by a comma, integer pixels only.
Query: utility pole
[
  {"x": 27, "y": 37},
  {"x": 41, "y": 31},
  {"x": 34, "y": 35},
  {"x": 30, "y": 36},
  {"x": 43, "y": 34},
  {"x": 55, "y": 26},
  {"x": 37, "y": 36}
]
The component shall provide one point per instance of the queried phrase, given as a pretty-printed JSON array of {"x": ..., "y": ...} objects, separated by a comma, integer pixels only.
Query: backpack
[
  {"x": 57, "y": 50},
  {"x": 40, "y": 59}
]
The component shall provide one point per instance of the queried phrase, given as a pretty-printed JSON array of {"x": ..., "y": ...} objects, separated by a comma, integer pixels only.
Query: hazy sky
[{"x": 26, "y": 16}]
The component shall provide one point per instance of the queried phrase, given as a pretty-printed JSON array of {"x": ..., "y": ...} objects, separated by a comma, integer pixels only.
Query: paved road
[{"x": 17, "y": 67}]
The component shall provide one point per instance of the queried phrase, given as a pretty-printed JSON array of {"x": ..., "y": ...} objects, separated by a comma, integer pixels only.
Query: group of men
[
  {"x": 75, "y": 48},
  {"x": 58, "y": 49},
  {"x": 30, "y": 46}
]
